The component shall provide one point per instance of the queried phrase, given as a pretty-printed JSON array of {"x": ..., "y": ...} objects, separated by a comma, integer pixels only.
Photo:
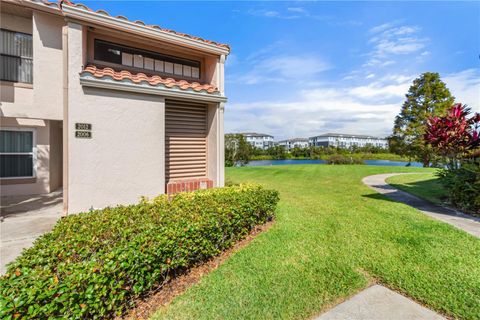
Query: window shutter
[{"x": 185, "y": 140}]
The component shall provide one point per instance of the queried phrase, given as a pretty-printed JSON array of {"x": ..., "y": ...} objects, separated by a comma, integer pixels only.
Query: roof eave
[
  {"x": 78, "y": 13},
  {"x": 91, "y": 81},
  {"x": 40, "y": 6}
]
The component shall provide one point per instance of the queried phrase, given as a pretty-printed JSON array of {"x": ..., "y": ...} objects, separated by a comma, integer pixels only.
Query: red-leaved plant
[{"x": 456, "y": 135}]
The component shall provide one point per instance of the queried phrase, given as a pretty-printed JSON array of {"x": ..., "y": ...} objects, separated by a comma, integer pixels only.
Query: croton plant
[{"x": 456, "y": 135}]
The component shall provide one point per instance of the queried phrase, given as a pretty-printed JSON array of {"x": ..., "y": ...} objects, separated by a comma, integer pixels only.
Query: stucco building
[
  {"x": 106, "y": 108},
  {"x": 259, "y": 140},
  {"x": 293, "y": 143},
  {"x": 347, "y": 141}
]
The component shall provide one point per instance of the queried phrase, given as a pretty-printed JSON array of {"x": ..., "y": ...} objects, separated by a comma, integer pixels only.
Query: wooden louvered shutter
[{"x": 185, "y": 140}]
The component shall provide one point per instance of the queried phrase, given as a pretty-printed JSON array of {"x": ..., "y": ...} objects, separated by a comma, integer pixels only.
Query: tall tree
[
  {"x": 427, "y": 97},
  {"x": 237, "y": 150}
]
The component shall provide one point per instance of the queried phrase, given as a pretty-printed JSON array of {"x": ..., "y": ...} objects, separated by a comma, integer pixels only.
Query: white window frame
[{"x": 33, "y": 153}]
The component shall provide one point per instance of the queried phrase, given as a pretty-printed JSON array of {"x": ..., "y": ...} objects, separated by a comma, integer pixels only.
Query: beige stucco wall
[
  {"x": 47, "y": 65},
  {"x": 56, "y": 155},
  {"x": 125, "y": 159},
  {"x": 15, "y": 23},
  {"x": 47, "y": 163},
  {"x": 215, "y": 148},
  {"x": 212, "y": 148},
  {"x": 43, "y": 98}
]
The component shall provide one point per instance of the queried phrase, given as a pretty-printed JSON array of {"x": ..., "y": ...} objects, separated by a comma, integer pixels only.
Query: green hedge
[
  {"x": 94, "y": 265},
  {"x": 463, "y": 186}
]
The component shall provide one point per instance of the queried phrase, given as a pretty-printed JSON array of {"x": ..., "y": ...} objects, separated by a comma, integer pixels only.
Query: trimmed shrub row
[{"x": 95, "y": 264}]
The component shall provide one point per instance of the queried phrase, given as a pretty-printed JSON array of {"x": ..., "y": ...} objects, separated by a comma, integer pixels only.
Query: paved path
[
  {"x": 23, "y": 219},
  {"x": 379, "y": 303},
  {"x": 456, "y": 218}
]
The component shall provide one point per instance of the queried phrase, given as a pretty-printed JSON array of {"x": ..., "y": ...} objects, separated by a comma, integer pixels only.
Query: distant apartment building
[
  {"x": 347, "y": 141},
  {"x": 293, "y": 143},
  {"x": 259, "y": 140}
]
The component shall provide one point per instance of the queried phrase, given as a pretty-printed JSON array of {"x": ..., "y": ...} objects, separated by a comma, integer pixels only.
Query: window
[
  {"x": 16, "y": 56},
  {"x": 17, "y": 153},
  {"x": 142, "y": 59}
]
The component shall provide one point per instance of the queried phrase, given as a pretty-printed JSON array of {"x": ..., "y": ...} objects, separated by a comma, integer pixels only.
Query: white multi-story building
[
  {"x": 293, "y": 143},
  {"x": 259, "y": 140},
  {"x": 347, "y": 141}
]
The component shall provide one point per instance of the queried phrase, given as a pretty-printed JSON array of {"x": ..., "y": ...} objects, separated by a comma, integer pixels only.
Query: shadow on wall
[
  {"x": 50, "y": 31},
  {"x": 7, "y": 93},
  {"x": 107, "y": 93},
  {"x": 43, "y": 165}
]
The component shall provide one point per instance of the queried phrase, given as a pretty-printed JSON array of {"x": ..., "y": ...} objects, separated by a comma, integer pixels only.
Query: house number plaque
[
  {"x": 83, "y": 134},
  {"x": 83, "y": 130},
  {"x": 83, "y": 126}
]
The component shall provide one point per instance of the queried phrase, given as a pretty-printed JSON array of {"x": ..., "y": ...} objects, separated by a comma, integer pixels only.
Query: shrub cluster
[
  {"x": 463, "y": 186},
  {"x": 340, "y": 159},
  {"x": 95, "y": 264}
]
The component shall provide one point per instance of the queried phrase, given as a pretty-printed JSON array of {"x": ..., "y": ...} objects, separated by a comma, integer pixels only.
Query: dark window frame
[
  {"x": 97, "y": 56},
  {"x": 32, "y": 154},
  {"x": 21, "y": 58}
]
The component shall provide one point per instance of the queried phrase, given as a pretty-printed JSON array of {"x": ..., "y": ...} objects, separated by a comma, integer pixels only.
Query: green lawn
[
  {"x": 333, "y": 236},
  {"x": 425, "y": 185}
]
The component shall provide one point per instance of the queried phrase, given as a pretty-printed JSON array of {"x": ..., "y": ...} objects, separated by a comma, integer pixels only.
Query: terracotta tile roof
[
  {"x": 139, "y": 22},
  {"x": 58, "y": 5},
  {"x": 155, "y": 80}
]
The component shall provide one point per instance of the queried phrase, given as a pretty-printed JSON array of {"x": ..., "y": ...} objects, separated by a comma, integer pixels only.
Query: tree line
[{"x": 239, "y": 152}]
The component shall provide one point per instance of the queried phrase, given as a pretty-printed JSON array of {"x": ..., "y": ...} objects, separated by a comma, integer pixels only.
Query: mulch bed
[{"x": 179, "y": 283}]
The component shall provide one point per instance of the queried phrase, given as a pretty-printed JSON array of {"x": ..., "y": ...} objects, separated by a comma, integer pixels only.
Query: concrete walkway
[
  {"x": 23, "y": 219},
  {"x": 379, "y": 303},
  {"x": 456, "y": 218}
]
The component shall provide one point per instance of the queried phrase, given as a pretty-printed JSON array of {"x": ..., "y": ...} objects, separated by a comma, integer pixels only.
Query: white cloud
[
  {"x": 399, "y": 46},
  {"x": 365, "y": 109},
  {"x": 368, "y": 109},
  {"x": 465, "y": 87},
  {"x": 297, "y": 9},
  {"x": 282, "y": 68},
  {"x": 380, "y": 91},
  {"x": 383, "y": 27},
  {"x": 273, "y": 14},
  {"x": 299, "y": 67},
  {"x": 403, "y": 30},
  {"x": 299, "y": 12},
  {"x": 389, "y": 40}
]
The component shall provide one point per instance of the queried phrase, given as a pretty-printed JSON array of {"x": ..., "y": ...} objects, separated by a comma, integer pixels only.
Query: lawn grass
[
  {"x": 424, "y": 185},
  {"x": 333, "y": 236}
]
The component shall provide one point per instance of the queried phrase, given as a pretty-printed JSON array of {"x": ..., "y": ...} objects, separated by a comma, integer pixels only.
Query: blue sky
[{"x": 303, "y": 68}]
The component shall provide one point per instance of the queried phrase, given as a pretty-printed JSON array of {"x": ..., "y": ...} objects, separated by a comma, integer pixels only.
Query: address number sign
[{"x": 83, "y": 130}]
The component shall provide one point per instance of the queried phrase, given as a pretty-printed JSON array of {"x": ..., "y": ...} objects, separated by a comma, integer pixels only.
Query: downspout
[{"x": 65, "y": 118}]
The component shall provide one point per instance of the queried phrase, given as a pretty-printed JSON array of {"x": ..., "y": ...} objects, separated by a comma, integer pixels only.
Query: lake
[{"x": 255, "y": 163}]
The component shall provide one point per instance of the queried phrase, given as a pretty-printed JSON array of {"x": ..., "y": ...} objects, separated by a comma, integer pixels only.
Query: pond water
[{"x": 255, "y": 163}]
